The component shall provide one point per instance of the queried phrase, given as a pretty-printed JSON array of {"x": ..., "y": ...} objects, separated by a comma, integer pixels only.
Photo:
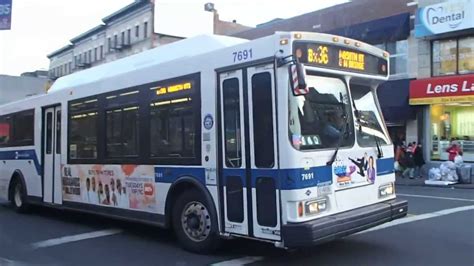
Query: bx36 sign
[{"x": 5, "y": 14}]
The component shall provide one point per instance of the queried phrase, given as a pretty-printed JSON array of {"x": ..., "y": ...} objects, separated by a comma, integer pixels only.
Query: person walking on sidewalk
[
  {"x": 409, "y": 162},
  {"x": 453, "y": 150},
  {"x": 418, "y": 159}
]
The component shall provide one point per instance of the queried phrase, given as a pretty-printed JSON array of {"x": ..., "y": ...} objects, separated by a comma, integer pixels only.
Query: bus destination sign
[{"x": 339, "y": 58}]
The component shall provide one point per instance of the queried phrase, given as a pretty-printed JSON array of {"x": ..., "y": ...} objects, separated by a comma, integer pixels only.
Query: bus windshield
[
  {"x": 318, "y": 119},
  {"x": 369, "y": 120}
]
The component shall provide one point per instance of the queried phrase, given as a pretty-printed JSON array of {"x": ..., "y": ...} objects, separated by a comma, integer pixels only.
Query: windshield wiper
[
  {"x": 344, "y": 132},
  {"x": 376, "y": 139}
]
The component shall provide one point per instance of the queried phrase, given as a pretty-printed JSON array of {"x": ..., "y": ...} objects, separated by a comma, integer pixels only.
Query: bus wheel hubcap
[
  {"x": 196, "y": 221},
  {"x": 17, "y": 196}
]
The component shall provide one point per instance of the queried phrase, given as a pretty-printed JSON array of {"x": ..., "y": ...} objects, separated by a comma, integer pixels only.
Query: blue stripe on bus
[
  {"x": 171, "y": 174},
  {"x": 22, "y": 155},
  {"x": 385, "y": 166}
]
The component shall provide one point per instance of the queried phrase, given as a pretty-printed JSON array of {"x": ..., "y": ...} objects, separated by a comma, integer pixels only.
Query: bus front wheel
[
  {"x": 18, "y": 196},
  {"x": 195, "y": 223}
]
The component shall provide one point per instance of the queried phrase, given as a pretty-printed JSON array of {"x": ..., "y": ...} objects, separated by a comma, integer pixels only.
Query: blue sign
[
  {"x": 445, "y": 17},
  {"x": 208, "y": 122},
  {"x": 5, "y": 14}
]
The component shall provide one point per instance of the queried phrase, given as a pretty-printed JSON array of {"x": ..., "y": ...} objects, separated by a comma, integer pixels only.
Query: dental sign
[
  {"x": 452, "y": 15},
  {"x": 5, "y": 14},
  {"x": 442, "y": 90}
]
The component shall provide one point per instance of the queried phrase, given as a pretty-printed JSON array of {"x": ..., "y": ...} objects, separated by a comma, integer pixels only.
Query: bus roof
[{"x": 178, "y": 50}]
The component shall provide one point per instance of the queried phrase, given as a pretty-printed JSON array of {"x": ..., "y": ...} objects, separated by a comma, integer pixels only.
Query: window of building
[
  {"x": 70, "y": 67},
  {"x": 89, "y": 53},
  {"x": 466, "y": 55},
  {"x": 83, "y": 121},
  {"x": 109, "y": 42},
  {"x": 95, "y": 54},
  {"x": 398, "y": 56},
  {"x": 17, "y": 129},
  {"x": 79, "y": 58},
  {"x": 129, "y": 34},
  {"x": 145, "y": 30},
  {"x": 452, "y": 122},
  {"x": 453, "y": 56},
  {"x": 123, "y": 38},
  {"x": 101, "y": 55},
  {"x": 137, "y": 31},
  {"x": 115, "y": 40}
]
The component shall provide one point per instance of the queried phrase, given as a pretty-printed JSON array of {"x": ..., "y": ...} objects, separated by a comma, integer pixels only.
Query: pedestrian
[
  {"x": 399, "y": 151},
  {"x": 409, "y": 162},
  {"x": 453, "y": 150},
  {"x": 419, "y": 160}
]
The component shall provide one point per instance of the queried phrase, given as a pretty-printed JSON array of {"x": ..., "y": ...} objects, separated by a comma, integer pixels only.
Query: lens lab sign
[
  {"x": 448, "y": 16},
  {"x": 442, "y": 90},
  {"x": 5, "y": 14}
]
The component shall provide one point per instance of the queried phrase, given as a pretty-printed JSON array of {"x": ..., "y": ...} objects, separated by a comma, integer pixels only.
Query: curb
[{"x": 457, "y": 186}]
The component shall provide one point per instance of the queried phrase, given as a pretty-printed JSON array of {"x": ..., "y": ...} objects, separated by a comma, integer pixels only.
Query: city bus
[{"x": 279, "y": 139}]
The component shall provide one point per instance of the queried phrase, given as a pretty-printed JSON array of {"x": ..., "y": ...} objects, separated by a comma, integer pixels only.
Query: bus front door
[
  {"x": 248, "y": 175},
  {"x": 52, "y": 184}
]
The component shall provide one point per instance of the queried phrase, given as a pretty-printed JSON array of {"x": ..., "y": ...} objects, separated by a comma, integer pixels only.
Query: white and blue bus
[{"x": 279, "y": 139}]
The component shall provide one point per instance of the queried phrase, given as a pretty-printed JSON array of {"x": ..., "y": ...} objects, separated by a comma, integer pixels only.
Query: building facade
[
  {"x": 14, "y": 88},
  {"x": 125, "y": 32},
  {"x": 444, "y": 90}
]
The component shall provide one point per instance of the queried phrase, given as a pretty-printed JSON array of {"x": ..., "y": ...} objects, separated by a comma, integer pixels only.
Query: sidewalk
[{"x": 421, "y": 182}]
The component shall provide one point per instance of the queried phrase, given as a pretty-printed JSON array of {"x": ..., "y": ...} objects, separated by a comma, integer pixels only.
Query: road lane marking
[
  {"x": 415, "y": 218},
  {"x": 239, "y": 261},
  {"x": 74, "y": 238},
  {"x": 433, "y": 197}
]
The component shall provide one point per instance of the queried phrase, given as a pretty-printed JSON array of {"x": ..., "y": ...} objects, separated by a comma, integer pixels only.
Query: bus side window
[
  {"x": 232, "y": 131},
  {"x": 83, "y": 122},
  {"x": 263, "y": 120}
]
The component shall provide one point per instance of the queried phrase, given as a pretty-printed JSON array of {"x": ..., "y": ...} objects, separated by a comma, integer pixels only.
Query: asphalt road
[{"x": 438, "y": 231}]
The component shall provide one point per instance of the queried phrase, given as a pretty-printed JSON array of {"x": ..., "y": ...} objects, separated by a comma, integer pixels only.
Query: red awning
[{"x": 442, "y": 90}]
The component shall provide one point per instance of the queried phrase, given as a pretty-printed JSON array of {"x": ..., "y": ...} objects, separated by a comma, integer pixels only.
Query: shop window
[
  {"x": 452, "y": 122},
  {"x": 453, "y": 56}
]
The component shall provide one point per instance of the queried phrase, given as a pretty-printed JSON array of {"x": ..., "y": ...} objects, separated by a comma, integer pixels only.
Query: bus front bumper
[{"x": 342, "y": 224}]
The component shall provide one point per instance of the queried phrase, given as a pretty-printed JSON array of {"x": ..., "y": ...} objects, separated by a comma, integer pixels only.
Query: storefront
[
  {"x": 445, "y": 85},
  {"x": 449, "y": 112}
]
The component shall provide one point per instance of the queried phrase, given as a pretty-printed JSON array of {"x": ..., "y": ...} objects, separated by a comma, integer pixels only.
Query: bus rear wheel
[
  {"x": 18, "y": 196},
  {"x": 195, "y": 224}
]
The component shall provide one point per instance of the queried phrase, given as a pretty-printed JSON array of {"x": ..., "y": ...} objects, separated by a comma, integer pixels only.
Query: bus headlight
[
  {"x": 386, "y": 190},
  {"x": 315, "y": 206}
]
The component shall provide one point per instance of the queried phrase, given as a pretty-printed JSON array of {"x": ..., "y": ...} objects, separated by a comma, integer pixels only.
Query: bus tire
[
  {"x": 18, "y": 196},
  {"x": 195, "y": 223}
]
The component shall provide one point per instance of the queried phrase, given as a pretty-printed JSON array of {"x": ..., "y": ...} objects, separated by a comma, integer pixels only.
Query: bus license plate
[{"x": 324, "y": 190}]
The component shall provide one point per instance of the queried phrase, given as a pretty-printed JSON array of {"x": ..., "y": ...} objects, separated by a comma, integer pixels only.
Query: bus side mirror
[{"x": 298, "y": 79}]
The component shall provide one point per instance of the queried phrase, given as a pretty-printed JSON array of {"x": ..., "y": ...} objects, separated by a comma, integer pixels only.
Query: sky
[{"x": 40, "y": 27}]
